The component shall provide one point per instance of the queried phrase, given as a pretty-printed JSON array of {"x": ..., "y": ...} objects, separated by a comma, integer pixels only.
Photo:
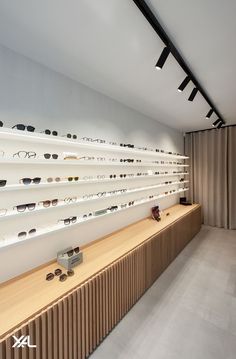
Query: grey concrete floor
[{"x": 189, "y": 312}]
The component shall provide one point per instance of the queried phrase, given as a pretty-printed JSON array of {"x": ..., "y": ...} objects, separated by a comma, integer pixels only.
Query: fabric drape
[{"x": 213, "y": 174}]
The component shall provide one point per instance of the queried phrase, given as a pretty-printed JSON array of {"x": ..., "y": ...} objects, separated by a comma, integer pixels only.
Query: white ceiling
[{"x": 108, "y": 45}]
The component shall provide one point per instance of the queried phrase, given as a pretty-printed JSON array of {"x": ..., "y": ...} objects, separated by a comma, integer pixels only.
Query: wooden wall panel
[{"x": 74, "y": 326}]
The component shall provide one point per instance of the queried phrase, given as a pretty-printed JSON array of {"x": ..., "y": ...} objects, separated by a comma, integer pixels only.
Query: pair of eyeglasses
[
  {"x": 56, "y": 179},
  {"x": 131, "y": 203},
  {"x": 27, "y": 181},
  {"x": 112, "y": 176},
  {"x": 70, "y": 179},
  {"x": 70, "y": 199},
  {"x": 87, "y": 215},
  {"x": 23, "y": 207},
  {"x": 25, "y": 154},
  {"x": 56, "y": 273},
  {"x": 88, "y": 196},
  {"x": 89, "y": 139},
  {"x": 71, "y": 252},
  {"x": 24, "y": 234},
  {"x": 69, "y": 135},
  {"x": 49, "y": 132},
  {"x": 64, "y": 276},
  {"x": 71, "y": 157},
  {"x": 126, "y": 145},
  {"x": 126, "y": 160},
  {"x": 112, "y": 208},
  {"x": 24, "y": 127},
  {"x": 101, "y": 194},
  {"x": 122, "y": 175},
  {"x": 3, "y": 212},
  {"x": 86, "y": 158},
  {"x": 3, "y": 183},
  {"x": 69, "y": 220},
  {"x": 47, "y": 203},
  {"x": 47, "y": 156}
]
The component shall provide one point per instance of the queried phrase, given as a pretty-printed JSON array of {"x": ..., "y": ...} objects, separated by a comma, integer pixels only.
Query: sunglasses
[
  {"x": 25, "y": 154},
  {"x": 27, "y": 181},
  {"x": 50, "y": 179},
  {"x": 24, "y": 234},
  {"x": 70, "y": 199},
  {"x": 23, "y": 127},
  {"x": 47, "y": 156},
  {"x": 93, "y": 140},
  {"x": 69, "y": 220},
  {"x": 57, "y": 272},
  {"x": 122, "y": 175},
  {"x": 71, "y": 136},
  {"x": 64, "y": 276},
  {"x": 3, "y": 183},
  {"x": 126, "y": 160},
  {"x": 48, "y": 132},
  {"x": 73, "y": 251},
  {"x": 23, "y": 207},
  {"x": 87, "y": 215},
  {"x": 112, "y": 176},
  {"x": 48, "y": 203},
  {"x": 112, "y": 208},
  {"x": 126, "y": 145},
  {"x": 70, "y": 179}
]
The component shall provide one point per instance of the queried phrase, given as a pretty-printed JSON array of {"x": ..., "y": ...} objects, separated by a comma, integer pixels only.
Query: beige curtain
[{"x": 213, "y": 174}]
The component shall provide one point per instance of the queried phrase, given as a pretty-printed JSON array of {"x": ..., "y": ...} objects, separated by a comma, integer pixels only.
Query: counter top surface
[{"x": 23, "y": 298}]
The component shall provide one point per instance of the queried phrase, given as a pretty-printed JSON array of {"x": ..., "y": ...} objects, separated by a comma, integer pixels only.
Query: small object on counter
[
  {"x": 167, "y": 214},
  {"x": 156, "y": 213},
  {"x": 184, "y": 202}
]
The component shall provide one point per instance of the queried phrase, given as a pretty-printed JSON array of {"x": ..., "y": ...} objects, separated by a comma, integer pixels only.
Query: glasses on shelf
[
  {"x": 122, "y": 175},
  {"x": 68, "y": 200},
  {"x": 25, "y": 154},
  {"x": 126, "y": 160},
  {"x": 49, "y": 132},
  {"x": 27, "y": 181},
  {"x": 3, "y": 212},
  {"x": 71, "y": 157},
  {"x": 24, "y": 234},
  {"x": 69, "y": 220},
  {"x": 47, "y": 156},
  {"x": 1, "y": 124},
  {"x": 89, "y": 139},
  {"x": 112, "y": 208},
  {"x": 56, "y": 179},
  {"x": 70, "y": 179},
  {"x": 112, "y": 176},
  {"x": 23, "y": 207},
  {"x": 24, "y": 127},
  {"x": 88, "y": 196},
  {"x": 87, "y": 215},
  {"x": 73, "y": 251},
  {"x": 69, "y": 135},
  {"x": 56, "y": 273},
  {"x": 101, "y": 194},
  {"x": 47, "y": 203},
  {"x": 3, "y": 183},
  {"x": 126, "y": 145}
]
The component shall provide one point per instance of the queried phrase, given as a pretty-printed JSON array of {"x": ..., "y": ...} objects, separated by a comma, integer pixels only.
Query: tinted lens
[
  {"x": 21, "y": 208},
  {"x": 57, "y": 179},
  {"x": 46, "y": 203},
  {"x": 63, "y": 277},
  {"x": 55, "y": 156},
  {"x": 73, "y": 219},
  {"x": 20, "y": 127},
  {"x": 50, "y": 179},
  {"x": 68, "y": 135},
  {"x": 31, "y": 206},
  {"x": 1, "y": 123},
  {"x": 49, "y": 276},
  {"x": 26, "y": 180},
  {"x": 70, "y": 179},
  {"x": 70, "y": 253},
  {"x": 32, "y": 231},
  {"x": 76, "y": 250},
  {"x": 54, "y": 202},
  {"x": 30, "y": 128},
  {"x": 47, "y": 132},
  {"x": 54, "y": 133},
  {"x": 74, "y": 137},
  {"x": 76, "y": 178},
  {"x": 58, "y": 272},
  {"x": 70, "y": 273},
  {"x": 47, "y": 156},
  {"x": 36, "y": 180},
  {"x": 3, "y": 183},
  {"x": 22, "y": 234},
  {"x": 66, "y": 221}
]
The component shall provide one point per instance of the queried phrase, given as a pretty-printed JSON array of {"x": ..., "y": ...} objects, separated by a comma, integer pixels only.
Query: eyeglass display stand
[{"x": 69, "y": 262}]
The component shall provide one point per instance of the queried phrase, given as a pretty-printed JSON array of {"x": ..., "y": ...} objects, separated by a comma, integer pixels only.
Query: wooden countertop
[{"x": 23, "y": 298}]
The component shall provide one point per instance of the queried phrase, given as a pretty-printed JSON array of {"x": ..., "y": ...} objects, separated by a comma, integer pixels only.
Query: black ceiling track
[{"x": 151, "y": 18}]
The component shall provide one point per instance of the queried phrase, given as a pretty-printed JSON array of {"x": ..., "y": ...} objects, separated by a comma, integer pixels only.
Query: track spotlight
[
  {"x": 162, "y": 59},
  {"x": 184, "y": 84},
  {"x": 220, "y": 124},
  {"x": 193, "y": 94},
  {"x": 209, "y": 113},
  {"x": 216, "y": 122}
]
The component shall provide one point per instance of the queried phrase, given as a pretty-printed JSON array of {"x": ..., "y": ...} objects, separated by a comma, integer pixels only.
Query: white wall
[{"x": 33, "y": 94}]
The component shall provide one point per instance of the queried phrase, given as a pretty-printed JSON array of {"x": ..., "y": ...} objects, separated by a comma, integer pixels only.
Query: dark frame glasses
[
  {"x": 24, "y": 234},
  {"x": 23, "y": 207},
  {"x": 27, "y": 181},
  {"x": 3, "y": 183},
  {"x": 47, "y": 203},
  {"x": 73, "y": 251},
  {"x": 47, "y": 156},
  {"x": 24, "y": 127}
]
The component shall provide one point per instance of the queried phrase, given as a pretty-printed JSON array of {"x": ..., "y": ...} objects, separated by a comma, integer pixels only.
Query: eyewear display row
[
  {"x": 55, "y": 156},
  {"x": 73, "y": 219},
  {"x": 54, "y": 202},
  {"x": 38, "y": 180},
  {"x": 30, "y": 128}
]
